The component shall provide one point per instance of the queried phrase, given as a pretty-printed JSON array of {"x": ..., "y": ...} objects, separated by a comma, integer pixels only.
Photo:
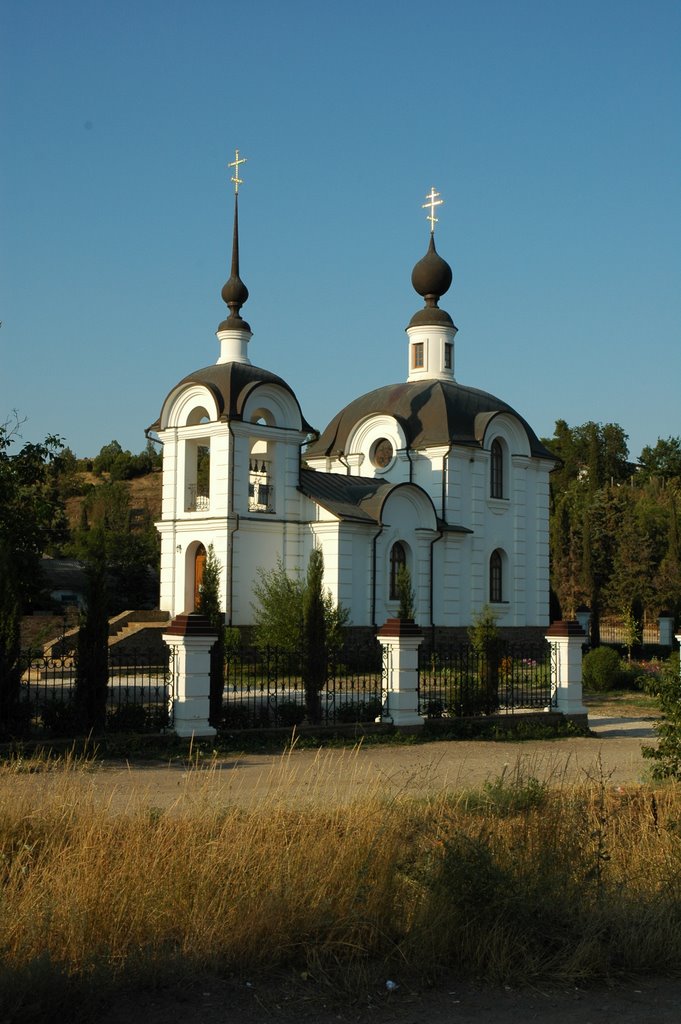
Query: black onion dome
[
  {"x": 432, "y": 276},
  {"x": 234, "y": 291}
]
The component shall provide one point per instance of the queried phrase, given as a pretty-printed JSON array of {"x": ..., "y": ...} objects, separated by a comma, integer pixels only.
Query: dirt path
[
  {"x": 614, "y": 753},
  {"x": 637, "y": 1001}
]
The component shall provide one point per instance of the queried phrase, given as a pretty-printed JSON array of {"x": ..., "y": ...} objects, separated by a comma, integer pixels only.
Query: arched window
[
  {"x": 398, "y": 560},
  {"x": 261, "y": 477},
  {"x": 495, "y": 577},
  {"x": 197, "y": 474},
  {"x": 496, "y": 470}
]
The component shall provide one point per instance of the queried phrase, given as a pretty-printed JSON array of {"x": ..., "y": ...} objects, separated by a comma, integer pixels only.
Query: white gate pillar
[
  {"x": 566, "y": 640},
  {"x": 190, "y": 638},
  {"x": 400, "y": 640},
  {"x": 665, "y": 624}
]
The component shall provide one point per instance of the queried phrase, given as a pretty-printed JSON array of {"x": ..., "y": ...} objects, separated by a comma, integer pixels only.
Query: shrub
[
  {"x": 127, "y": 718},
  {"x": 666, "y": 686},
  {"x": 236, "y": 715},
  {"x": 602, "y": 670},
  {"x": 358, "y": 711},
  {"x": 60, "y": 718},
  {"x": 289, "y": 713},
  {"x": 470, "y": 698}
]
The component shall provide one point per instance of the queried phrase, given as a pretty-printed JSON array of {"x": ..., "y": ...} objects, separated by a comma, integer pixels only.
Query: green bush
[
  {"x": 666, "y": 686},
  {"x": 289, "y": 712},
  {"x": 60, "y": 718},
  {"x": 602, "y": 670},
  {"x": 358, "y": 711},
  {"x": 469, "y": 698}
]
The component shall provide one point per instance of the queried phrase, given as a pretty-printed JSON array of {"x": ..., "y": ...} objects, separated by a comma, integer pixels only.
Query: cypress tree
[
  {"x": 92, "y": 669},
  {"x": 315, "y": 646},
  {"x": 209, "y": 605}
]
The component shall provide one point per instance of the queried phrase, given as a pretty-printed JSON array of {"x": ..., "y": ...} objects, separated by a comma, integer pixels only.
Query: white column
[
  {"x": 190, "y": 638},
  {"x": 566, "y": 639},
  {"x": 665, "y": 624},
  {"x": 400, "y": 640}
]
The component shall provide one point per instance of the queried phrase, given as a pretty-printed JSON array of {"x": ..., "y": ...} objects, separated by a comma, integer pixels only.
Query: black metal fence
[
  {"x": 266, "y": 689},
  {"x": 139, "y": 696},
  {"x": 460, "y": 681}
]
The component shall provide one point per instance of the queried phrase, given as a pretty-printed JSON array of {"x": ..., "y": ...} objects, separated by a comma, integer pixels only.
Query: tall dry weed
[{"x": 518, "y": 882}]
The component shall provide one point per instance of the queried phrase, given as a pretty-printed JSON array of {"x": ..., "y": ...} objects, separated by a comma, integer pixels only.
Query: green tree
[
  {"x": 210, "y": 606},
  {"x": 667, "y": 754},
  {"x": 130, "y": 544},
  {"x": 663, "y": 460},
  {"x": 315, "y": 648},
  {"x": 31, "y": 522},
  {"x": 108, "y": 453},
  {"x": 594, "y": 453},
  {"x": 92, "y": 666},
  {"x": 405, "y": 593},
  {"x": 668, "y": 576},
  {"x": 10, "y": 637},
  {"x": 278, "y": 609},
  {"x": 485, "y": 640}
]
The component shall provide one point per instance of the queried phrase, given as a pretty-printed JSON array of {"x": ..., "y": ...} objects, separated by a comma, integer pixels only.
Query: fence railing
[
  {"x": 460, "y": 682},
  {"x": 138, "y": 699},
  {"x": 266, "y": 688},
  {"x": 613, "y": 631}
]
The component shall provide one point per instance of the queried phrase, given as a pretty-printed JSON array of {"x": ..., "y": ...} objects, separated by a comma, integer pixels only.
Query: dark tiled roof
[
  {"x": 357, "y": 499},
  {"x": 231, "y": 384},
  {"x": 431, "y": 412}
]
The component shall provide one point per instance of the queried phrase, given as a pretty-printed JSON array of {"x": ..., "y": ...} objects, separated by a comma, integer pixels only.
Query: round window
[{"x": 381, "y": 453}]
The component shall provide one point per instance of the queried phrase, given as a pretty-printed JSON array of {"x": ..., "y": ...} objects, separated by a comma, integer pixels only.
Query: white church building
[{"x": 426, "y": 472}]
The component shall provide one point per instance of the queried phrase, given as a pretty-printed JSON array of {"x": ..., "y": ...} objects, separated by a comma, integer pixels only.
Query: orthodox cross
[
  {"x": 235, "y": 164},
  {"x": 434, "y": 200}
]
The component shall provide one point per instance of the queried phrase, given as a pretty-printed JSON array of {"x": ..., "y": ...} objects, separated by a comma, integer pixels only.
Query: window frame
[
  {"x": 496, "y": 577},
  {"x": 496, "y": 469}
]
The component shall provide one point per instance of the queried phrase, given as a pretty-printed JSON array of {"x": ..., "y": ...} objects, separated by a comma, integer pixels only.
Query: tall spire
[
  {"x": 235, "y": 292},
  {"x": 431, "y": 330}
]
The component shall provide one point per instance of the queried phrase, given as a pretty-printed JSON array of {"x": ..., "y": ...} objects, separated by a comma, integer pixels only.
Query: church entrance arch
[{"x": 199, "y": 566}]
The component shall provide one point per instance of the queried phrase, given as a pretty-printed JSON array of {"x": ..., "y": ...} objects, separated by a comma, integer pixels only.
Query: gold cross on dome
[
  {"x": 434, "y": 200},
  {"x": 235, "y": 177}
]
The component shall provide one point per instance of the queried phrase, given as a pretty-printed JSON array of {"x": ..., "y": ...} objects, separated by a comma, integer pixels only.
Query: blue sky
[{"x": 550, "y": 129}]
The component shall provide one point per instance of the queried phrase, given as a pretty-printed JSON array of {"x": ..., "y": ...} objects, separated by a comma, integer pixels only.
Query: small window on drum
[
  {"x": 381, "y": 453},
  {"x": 496, "y": 470},
  {"x": 495, "y": 578},
  {"x": 398, "y": 560},
  {"x": 417, "y": 355},
  {"x": 448, "y": 355}
]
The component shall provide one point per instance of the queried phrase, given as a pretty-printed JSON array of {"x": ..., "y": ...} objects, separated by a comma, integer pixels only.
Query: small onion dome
[
  {"x": 432, "y": 276},
  {"x": 234, "y": 294}
]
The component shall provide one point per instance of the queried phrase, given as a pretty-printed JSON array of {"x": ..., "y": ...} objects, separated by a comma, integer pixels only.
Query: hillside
[{"x": 144, "y": 493}]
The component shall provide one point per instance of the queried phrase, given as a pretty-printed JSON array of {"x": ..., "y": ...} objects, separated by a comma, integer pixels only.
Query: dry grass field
[{"x": 516, "y": 883}]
